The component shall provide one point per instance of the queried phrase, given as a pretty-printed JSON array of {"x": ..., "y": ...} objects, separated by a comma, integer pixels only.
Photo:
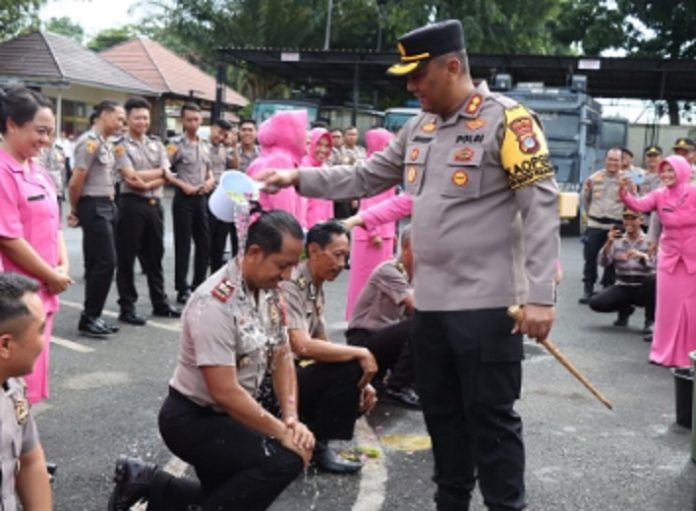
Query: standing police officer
[
  {"x": 190, "y": 159},
  {"x": 485, "y": 236},
  {"x": 141, "y": 160},
  {"x": 52, "y": 158},
  {"x": 220, "y": 161},
  {"x": 92, "y": 207},
  {"x": 233, "y": 329}
]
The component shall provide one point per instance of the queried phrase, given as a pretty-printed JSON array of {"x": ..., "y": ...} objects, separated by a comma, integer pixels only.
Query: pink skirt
[
  {"x": 37, "y": 380},
  {"x": 364, "y": 258},
  {"x": 675, "y": 318}
]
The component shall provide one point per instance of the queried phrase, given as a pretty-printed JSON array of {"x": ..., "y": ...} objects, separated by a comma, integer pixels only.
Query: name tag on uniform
[{"x": 36, "y": 197}]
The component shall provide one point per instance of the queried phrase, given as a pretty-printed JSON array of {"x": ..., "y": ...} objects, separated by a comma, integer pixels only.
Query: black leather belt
[{"x": 152, "y": 201}]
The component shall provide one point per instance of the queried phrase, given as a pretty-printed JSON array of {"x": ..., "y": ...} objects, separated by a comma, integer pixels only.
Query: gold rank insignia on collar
[
  {"x": 223, "y": 291},
  {"x": 302, "y": 282},
  {"x": 401, "y": 268},
  {"x": 21, "y": 407},
  {"x": 473, "y": 104}
]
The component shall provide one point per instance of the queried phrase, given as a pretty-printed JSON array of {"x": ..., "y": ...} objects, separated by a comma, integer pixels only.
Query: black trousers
[
  {"x": 219, "y": 232},
  {"x": 595, "y": 238},
  {"x": 619, "y": 298},
  {"x": 190, "y": 214},
  {"x": 329, "y": 398},
  {"x": 140, "y": 233},
  {"x": 98, "y": 221},
  {"x": 238, "y": 468},
  {"x": 392, "y": 350},
  {"x": 468, "y": 375}
]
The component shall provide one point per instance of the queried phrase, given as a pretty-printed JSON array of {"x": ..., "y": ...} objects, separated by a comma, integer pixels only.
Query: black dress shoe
[
  {"x": 622, "y": 320},
  {"x": 327, "y": 460},
  {"x": 183, "y": 296},
  {"x": 93, "y": 327},
  {"x": 132, "y": 318},
  {"x": 109, "y": 326},
  {"x": 133, "y": 478},
  {"x": 648, "y": 327},
  {"x": 406, "y": 397},
  {"x": 167, "y": 312}
]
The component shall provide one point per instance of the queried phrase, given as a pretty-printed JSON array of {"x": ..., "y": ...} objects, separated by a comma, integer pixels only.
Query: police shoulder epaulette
[
  {"x": 473, "y": 104},
  {"x": 223, "y": 291}
]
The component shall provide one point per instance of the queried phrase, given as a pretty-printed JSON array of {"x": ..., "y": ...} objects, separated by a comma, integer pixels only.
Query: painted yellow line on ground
[
  {"x": 406, "y": 442},
  {"x": 71, "y": 345},
  {"x": 373, "y": 476},
  {"x": 171, "y": 327}
]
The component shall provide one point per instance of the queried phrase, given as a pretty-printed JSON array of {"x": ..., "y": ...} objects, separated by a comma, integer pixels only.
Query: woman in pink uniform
[
  {"x": 320, "y": 146},
  {"x": 370, "y": 247},
  {"x": 675, "y": 316},
  {"x": 31, "y": 242}
]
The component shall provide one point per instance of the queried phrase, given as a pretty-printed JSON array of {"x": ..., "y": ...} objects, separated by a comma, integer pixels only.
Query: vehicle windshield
[{"x": 560, "y": 125}]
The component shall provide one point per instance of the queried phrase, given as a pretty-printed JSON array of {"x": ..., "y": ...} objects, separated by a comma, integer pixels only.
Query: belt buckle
[{"x": 152, "y": 201}]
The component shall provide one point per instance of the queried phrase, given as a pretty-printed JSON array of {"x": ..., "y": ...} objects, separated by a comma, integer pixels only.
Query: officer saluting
[{"x": 485, "y": 236}]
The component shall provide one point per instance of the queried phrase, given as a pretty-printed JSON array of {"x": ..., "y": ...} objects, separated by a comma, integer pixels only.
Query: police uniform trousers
[
  {"x": 621, "y": 297},
  {"x": 595, "y": 238},
  {"x": 238, "y": 468},
  {"x": 190, "y": 214},
  {"x": 219, "y": 232},
  {"x": 329, "y": 398},
  {"x": 140, "y": 233},
  {"x": 468, "y": 375},
  {"x": 391, "y": 348},
  {"x": 97, "y": 217}
]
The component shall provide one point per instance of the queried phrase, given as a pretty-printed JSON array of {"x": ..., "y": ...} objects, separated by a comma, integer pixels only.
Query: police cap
[
  {"x": 653, "y": 150},
  {"x": 422, "y": 44},
  {"x": 684, "y": 143}
]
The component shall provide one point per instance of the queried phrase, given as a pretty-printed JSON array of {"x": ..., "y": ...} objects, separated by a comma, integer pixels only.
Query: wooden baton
[{"x": 516, "y": 312}]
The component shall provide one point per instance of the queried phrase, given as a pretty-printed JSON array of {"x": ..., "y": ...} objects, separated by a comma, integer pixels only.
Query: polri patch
[
  {"x": 223, "y": 291},
  {"x": 523, "y": 128}
]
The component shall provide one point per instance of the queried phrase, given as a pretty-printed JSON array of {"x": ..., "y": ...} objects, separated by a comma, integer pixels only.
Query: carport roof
[{"x": 642, "y": 78}]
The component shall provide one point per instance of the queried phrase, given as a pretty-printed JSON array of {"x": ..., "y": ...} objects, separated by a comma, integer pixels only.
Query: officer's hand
[
  {"x": 188, "y": 189},
  {"x": 368, "y": 399},
  {"x": 302, "y": 436},
  {"x": 536, "y": 321},
  {"x": 376, "y": 241},
  {"x": 73, "y": 221},
  {"x": 287, "y": 441},
  {"x": 369, "y": 366},
  {"x": 613, "y": 233},
  {"x": 275, "y": 180}
]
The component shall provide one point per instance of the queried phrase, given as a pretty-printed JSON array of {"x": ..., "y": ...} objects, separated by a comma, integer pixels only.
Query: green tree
[
  {"x": 111, "y": 37},
  {"x": 17, "y": 16},
  {"x": 67, "y": 27}
]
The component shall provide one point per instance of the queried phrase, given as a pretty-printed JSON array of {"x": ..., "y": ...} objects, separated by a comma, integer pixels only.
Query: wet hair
[
  {"x": 323, "y": 233},
  {"x": 136, "y": 102},
  {"x": 13, "y": 287},
  {"x": 20, "y": 104},
  {"x": 268, "y": 230},
  {"x": 222, "y": 124},
  {"x": 193, "y": 107},
  {"x": 247, "y": 121}
]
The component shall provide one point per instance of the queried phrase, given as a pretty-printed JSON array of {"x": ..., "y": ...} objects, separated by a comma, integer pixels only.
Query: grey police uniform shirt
[
  {"x": 627, "y": 269},
  {"x": 651, "y": 181},
  {"x": 145, "y": 154},
  {"x": 485, "y": 222},
  {"x": 18, "y": 436},
  {"x": 600, "y": 198},
  {"x": 304, "y": 302},
  {"x": 218, "y": 160},
  {"x": 350, "y": 156},
  {"x": 190, "y": 159},
  {"x": 224, "y": 325},
  {"x": 380, "y": 304},
  {"x": 246, "y": 159},
  {"x": 96, "y": 155},
  {"x": 52, "y": 158}
]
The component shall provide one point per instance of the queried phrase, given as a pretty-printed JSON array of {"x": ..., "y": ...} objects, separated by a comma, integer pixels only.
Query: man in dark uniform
[
  {"x": 22, "y": 459},
  {"x": 220, "y": 161},
  {"x": 485, "y": 236},
  {"x": 333, "y": 379},
  {"x": 141, "y": 160},
  {"x": 92, "y": 207},
  {"x": 232, "y": 330},
  {"x": 190, "y": 159}
]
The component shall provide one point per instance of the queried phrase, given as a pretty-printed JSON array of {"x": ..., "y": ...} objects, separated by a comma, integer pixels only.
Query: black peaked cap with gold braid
[{"x": 422, "y": 44}]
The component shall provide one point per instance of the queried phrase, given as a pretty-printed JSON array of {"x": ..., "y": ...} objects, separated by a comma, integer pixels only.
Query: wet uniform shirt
[
  {"x": 600, "y": 197},
  {"x": 305, "y": 303},
  {"x": 190, "y": 159},
  {"x": 18, "y": 436},
  {"x": 96, "y": 155},
  {"x": 146, "y": 154},
  {"x": 225, "y": 325},
  {"x": 473, "y": 177},
  {"x": 380, "y": 303}
]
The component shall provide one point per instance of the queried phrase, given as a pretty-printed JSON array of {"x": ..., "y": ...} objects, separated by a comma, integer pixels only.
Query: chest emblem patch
[
  {"x": 464, "y": 155},
  {"x": 223, "y": 291},
  {"x": 475, "y": 124},
  {"x": 460, "y": 178},
  {"x": 411, "y": 175}
]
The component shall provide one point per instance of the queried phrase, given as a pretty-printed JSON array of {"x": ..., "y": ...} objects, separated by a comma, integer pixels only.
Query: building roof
[
  {"x": 644, "y": 78},
  {"x": 43, "y": 58},
  {"x": 166, "y": 72}
]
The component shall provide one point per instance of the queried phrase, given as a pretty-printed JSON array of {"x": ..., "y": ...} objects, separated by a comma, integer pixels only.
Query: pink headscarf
[
  {"x": 316, "y": 134},
  {"x": 682, "y": 171},
  {"x": 377, "y": 139}
]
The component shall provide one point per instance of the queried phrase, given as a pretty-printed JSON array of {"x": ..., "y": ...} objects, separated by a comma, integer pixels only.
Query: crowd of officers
[{"x": 621, "y": 241}]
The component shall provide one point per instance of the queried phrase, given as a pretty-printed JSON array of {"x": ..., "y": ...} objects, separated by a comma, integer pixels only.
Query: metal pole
[
  {"x": 356, "y": 95},
  {"x": 219, "y": 91},
  {"x": 327, "y": 38}
]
